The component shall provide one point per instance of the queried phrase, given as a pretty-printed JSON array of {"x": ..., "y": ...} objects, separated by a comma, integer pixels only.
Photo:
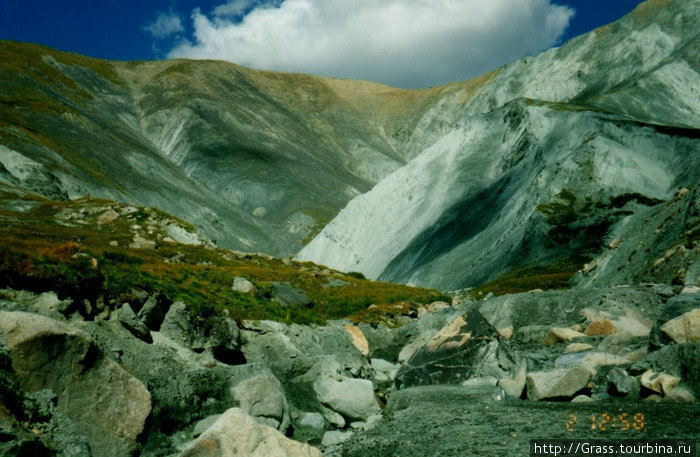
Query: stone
[
  {"x": 561, "y": 335},
  {"x": 385, "y": 370},
  {"x": 582, "y": 399},
  {"x": 107, "y": 404},
  {"x": 262, "y": 397},
  {"x": 237, "y": 434},
  {"x": 680, "y": 394},
  {"x": 600, "y": 328},
  {"x": 358, "y": 339},
  {"x": 50, "y": 305},
  {"x": 556, "y": 384},
  {"x": 243, "y": 286},
  {"x": 312, "y": 420},
  {"x": 350, "y": 397},
  {"x": 513, "y": 388},
  {"x": 660, "y": 383},
  {"x": 287, "y": 295},
  {"x": 684, "y": 328},
  {"x": 621, "y": 384},
  {"x": 153, "y": 311},
  {"x": 590, "y": 360},
  {"x": 436, "y": 306},
  {"x": 634, "y": 324},
  {"x": 578, "y": 347},
  {"x": 203, "y": 425},
  {"x": 335, "y": 437},
  {"x": 139, "y": 242},
  {"x": 130, "y": 321},
  {"x": 466, "y": 347},
  {"x": 107, "y": 217}
]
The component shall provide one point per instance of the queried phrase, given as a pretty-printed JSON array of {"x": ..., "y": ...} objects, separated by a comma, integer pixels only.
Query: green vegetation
[
  {"x": 61, "y": 247},
  {"x": 555, "y": 275}
]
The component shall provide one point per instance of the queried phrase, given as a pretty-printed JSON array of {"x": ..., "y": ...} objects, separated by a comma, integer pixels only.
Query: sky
[{"x": 403, "y": 43}]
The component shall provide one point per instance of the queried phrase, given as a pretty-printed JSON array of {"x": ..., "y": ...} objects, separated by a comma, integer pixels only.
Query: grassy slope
[{"x": 61, "y": 246}]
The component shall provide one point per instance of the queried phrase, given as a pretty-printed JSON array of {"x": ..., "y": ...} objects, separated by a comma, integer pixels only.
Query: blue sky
[{"x": 381, "y": 40}]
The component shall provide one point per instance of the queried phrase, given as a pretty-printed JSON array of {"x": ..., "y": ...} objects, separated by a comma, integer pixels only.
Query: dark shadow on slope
[{"x": 461, "y": 222}]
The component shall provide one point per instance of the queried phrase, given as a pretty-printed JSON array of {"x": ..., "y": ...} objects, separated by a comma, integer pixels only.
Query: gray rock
[
  {"x": 621, "y": 383},
  {"x": 556, "y": 384},
  {"x": 352, "y": 398},
  {"x": 153, "y": 311},
  {"x": 335, "y": 437},
  {"x": 259, "y": 394},
  {"x": 107, "y": 404},
  {"x": 133, "y": 324},
  {"x": 286, "y": 294},
  {"x": 202, "y": 426},
  {"x": 178, "y": 326},
  {"x": 467, "y": 347},
  {"x": 312, "y": 420},
  {"x": 237, "y": 434},
  {"x": 242, "y": 285}
]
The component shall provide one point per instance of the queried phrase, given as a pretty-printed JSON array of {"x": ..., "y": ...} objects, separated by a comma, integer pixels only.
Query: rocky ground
[{"x": 478, "y": 377}]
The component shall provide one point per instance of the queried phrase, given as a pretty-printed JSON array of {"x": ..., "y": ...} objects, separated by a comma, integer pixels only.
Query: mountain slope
[
  {"x": 541, "y": 162},
  {"x": 256, "y": 160}
]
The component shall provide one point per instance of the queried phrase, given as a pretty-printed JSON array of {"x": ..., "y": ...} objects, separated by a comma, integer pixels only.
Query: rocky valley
[{"x": 200, "y": 259}]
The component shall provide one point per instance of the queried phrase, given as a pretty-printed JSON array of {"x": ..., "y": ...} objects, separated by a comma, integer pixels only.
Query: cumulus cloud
[
  {"x": 404, "y": 43},
  {"x": 165, "y": 25}
]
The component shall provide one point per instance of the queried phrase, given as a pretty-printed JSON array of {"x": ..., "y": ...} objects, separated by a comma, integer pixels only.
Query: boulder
[
  {"x": 259, "y": 394},
  {"x": 237, "y": 434},
  {"x": 578, "y": 347},
  {"x": 660, "y": 383},
  {"x": 590, "y": 360},
  {"x": 153, "y": 311},
  {"x": 466, "y": 347},
  {"x": 684, "y": 328},
  {"x": 287, "y": 295},
  {"x": 243, "y": 286},
  {"x": 680, "y": 394},
  {"x": 312, "y": 420},
  {"x": 600, "y": 328},
  {"x": 562, "y": 383},
  {"x": 335, "y": 437},
  {"x": 513, "y": 387},
  {"x": 621, "y": 384},
  {"x": 202, "y": 426},
  {"x": 560, "y": 335},
  {"x": 107, "y": 404},
  {"x": 350, "y": 397},
  {"x": 130, "y": 321},
  {"x": 358, "y": 339}
]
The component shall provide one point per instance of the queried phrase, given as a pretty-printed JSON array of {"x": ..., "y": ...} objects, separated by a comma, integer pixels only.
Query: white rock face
[{"x": 463, "y": 209}]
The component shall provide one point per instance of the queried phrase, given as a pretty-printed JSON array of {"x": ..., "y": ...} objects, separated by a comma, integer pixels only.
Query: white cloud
[
  {"x": 405, "y": 43},
  {"x": 165, "y": 25}
]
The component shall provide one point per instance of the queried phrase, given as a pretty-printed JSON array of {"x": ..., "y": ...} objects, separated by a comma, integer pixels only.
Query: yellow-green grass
[{"x": 41, "y": 251}]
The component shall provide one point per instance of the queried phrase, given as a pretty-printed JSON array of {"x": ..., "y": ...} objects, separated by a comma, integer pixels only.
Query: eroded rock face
[
  {"x": 108, "y": 405},
  {"x": 237, "y": 434}
]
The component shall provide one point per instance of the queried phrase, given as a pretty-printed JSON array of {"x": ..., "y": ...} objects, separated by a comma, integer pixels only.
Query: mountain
[
  {"x": 527, "y": 170},
  {"x": 541, "y": 162},
  {"x": 257, "y": 161}
]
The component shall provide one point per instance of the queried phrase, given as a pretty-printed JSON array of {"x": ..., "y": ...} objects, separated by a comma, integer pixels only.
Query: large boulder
[
  {"x": 562, "y": 383},
  {"x": 352, "y": 398},
  {"x": 107, "y": 404},
  {"x": 466, "y": 347},
  {"x": 259, "y": 394},
  {"x": 237, "y": 434}
]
